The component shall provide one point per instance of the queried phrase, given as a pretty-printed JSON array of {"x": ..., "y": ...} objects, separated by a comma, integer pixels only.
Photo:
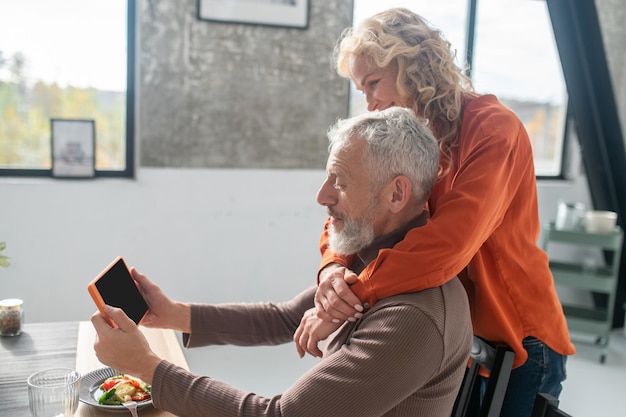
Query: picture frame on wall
[
  {"x": 286, "y": 13},
  {"x": 73, "y": 148}
]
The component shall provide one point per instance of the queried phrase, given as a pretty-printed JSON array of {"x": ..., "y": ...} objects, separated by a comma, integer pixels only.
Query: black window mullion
[{"x": 585, "y": 68}]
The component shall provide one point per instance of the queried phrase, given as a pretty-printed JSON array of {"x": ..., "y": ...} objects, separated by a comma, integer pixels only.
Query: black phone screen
[{"x": 118, "y": 289}]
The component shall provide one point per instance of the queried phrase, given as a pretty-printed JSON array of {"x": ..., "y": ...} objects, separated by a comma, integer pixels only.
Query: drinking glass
[{"x": 53, "y": 392}]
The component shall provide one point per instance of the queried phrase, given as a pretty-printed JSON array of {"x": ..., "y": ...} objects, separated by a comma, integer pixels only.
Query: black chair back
[{"x": 499, "y": 362}]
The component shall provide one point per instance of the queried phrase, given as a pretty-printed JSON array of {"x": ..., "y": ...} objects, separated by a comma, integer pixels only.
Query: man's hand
[
  {"x": 163, "y": 312},
  {"x": 124, "y": 348},
  {"x": 311, "y": 331},
  {"x": 334, "y": 300}
]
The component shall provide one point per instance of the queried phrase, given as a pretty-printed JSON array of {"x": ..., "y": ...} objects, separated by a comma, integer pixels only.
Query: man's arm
[
  {"x": 393, "y": 353},
  {"x": 247, "y": 324},
  {"x": 126, "y": 349}
]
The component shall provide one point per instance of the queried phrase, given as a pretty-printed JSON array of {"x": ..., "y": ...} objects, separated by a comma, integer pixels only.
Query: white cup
[
  {"x": 599, "y": 221},
  {"x": 53, "y": 392}
]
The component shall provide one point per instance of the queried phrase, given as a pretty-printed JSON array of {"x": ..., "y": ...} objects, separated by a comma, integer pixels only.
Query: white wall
[{"x": 202, "y": 235}]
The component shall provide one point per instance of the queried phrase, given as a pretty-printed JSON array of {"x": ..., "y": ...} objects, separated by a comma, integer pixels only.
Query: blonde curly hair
[{"x": 428, "y": 80}]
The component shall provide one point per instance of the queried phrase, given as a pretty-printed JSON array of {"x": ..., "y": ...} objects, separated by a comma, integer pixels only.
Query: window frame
[{"x": 129, "y": 170}]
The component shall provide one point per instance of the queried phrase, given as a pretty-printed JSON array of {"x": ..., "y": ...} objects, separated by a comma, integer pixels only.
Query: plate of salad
[{"x": 107, "y": 389}]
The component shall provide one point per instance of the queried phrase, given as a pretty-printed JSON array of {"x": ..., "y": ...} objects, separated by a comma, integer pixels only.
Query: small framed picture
[
  {"x": 73, "y": 148},
  {"x": 288, "y": 13}
]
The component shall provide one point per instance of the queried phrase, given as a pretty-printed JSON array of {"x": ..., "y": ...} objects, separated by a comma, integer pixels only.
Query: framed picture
[
  {"x": 289, "y": 13},
  {"x": 73, "y": 148}
]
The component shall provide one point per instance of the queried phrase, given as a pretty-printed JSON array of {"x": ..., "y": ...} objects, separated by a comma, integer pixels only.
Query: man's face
[{"x": 352, "y": 204}]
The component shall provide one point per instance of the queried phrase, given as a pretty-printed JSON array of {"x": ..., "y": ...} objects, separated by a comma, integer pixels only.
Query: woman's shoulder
[
  {"x": 477, "y": 105},
  {"x": 485, "y": 116},
  {"x": 484, "y": 102}
]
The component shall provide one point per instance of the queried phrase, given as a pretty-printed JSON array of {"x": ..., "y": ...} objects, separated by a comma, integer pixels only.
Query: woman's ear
[{"x": 400, "y": 193}]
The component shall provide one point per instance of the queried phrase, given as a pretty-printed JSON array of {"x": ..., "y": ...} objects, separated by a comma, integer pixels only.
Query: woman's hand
[
  {"x": 310, "y": 332},
  {"x": 124, "y": 348},
  {"x": 334, "y": 300}
]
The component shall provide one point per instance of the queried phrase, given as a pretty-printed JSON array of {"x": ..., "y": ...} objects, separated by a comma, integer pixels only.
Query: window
[
  {"x": 520, "y": 65},
  {"x": 513, "y": 56},
  {"x": 66, "y": 59}
]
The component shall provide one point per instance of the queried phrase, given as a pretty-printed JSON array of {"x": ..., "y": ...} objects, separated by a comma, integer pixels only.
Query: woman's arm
[{"x": 494, "y": 183}]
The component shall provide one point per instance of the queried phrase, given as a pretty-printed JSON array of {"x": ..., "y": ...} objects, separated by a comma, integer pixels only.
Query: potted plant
[{"x": 4, "y": 260}]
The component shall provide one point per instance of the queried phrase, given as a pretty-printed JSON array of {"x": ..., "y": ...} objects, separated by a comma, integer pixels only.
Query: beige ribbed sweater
[{"x": 405, "y": 357}]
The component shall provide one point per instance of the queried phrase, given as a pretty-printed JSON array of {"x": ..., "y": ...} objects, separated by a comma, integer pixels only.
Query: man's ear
[{"x": 400, "y": 193}]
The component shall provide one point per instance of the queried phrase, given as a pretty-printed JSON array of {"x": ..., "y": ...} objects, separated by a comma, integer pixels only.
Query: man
[{"x": 406, "y": 356}]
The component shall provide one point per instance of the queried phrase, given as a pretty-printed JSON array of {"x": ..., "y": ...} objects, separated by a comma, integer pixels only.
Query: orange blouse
[{"x": 484, "y": 228}]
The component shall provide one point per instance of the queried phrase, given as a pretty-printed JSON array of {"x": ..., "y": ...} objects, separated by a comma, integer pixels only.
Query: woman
[{"x": 484, "y": 216}]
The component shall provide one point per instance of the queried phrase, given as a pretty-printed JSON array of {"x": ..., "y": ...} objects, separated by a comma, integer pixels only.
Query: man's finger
[
  {"x": 119, "y": 317},
  {"x": 302, "y": 342},
  {"x": 312, "y": 348},
  {"x": 98, "y": 321},
  {"x": 296, "y": 339}
]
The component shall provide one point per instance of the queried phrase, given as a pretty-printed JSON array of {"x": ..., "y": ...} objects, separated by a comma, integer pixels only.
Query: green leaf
[
  {"x": 108, "y": 398},
  {"x": 4, "y": 260}
]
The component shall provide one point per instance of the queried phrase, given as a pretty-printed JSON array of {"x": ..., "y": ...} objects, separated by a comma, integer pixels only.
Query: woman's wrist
[{"x": 327, "y": 271}]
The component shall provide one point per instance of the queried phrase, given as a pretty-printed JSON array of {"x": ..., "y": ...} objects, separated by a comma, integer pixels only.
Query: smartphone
[{"x": 115, "y": 286}]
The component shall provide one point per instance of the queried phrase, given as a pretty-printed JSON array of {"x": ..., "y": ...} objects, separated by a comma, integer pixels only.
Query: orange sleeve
[{"x": 467, "y": 207}]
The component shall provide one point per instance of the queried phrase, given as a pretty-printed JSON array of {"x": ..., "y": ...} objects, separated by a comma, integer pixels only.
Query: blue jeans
[{"x": 542, "y": 372}]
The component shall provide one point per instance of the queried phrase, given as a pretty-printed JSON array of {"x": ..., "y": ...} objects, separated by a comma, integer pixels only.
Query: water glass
[
  {"x": 570, "y": 216},
  {"x": 53, "y": 392}
]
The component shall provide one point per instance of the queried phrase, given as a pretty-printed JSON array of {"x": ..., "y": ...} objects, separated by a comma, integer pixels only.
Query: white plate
[{"x": 90, "y": 390}]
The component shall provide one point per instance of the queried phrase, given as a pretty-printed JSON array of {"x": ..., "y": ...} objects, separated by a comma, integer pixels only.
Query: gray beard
[{"x": 355, "y": 235}]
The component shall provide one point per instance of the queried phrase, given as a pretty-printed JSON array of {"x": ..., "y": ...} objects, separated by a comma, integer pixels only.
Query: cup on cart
[
  {"x": 600, "y": 221},
  {"x": 570, "y": 216}
]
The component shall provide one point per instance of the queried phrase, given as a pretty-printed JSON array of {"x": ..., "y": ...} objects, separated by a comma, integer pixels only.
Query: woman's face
[{"x": 378, "y": 85}]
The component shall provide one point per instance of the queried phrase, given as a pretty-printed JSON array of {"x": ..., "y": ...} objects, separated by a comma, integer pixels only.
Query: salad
[{"x": 121, "y": 388}]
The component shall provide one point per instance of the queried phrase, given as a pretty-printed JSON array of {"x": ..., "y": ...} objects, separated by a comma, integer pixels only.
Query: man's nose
[{"x": 326, "y": 194}]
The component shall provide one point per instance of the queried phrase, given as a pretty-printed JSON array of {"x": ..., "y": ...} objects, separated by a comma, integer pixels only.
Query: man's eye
[{"x": 339, "y": 187}]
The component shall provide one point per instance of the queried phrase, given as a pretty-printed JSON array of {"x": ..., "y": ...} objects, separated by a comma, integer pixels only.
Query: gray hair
[{"x": 398, "y": 143}]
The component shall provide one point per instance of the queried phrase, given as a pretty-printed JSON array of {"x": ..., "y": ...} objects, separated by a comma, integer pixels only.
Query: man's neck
[{"x": 388, "y": 240}]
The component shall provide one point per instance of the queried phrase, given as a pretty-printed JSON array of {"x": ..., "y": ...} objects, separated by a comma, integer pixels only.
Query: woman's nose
[{"x": 371, "y": 102}]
